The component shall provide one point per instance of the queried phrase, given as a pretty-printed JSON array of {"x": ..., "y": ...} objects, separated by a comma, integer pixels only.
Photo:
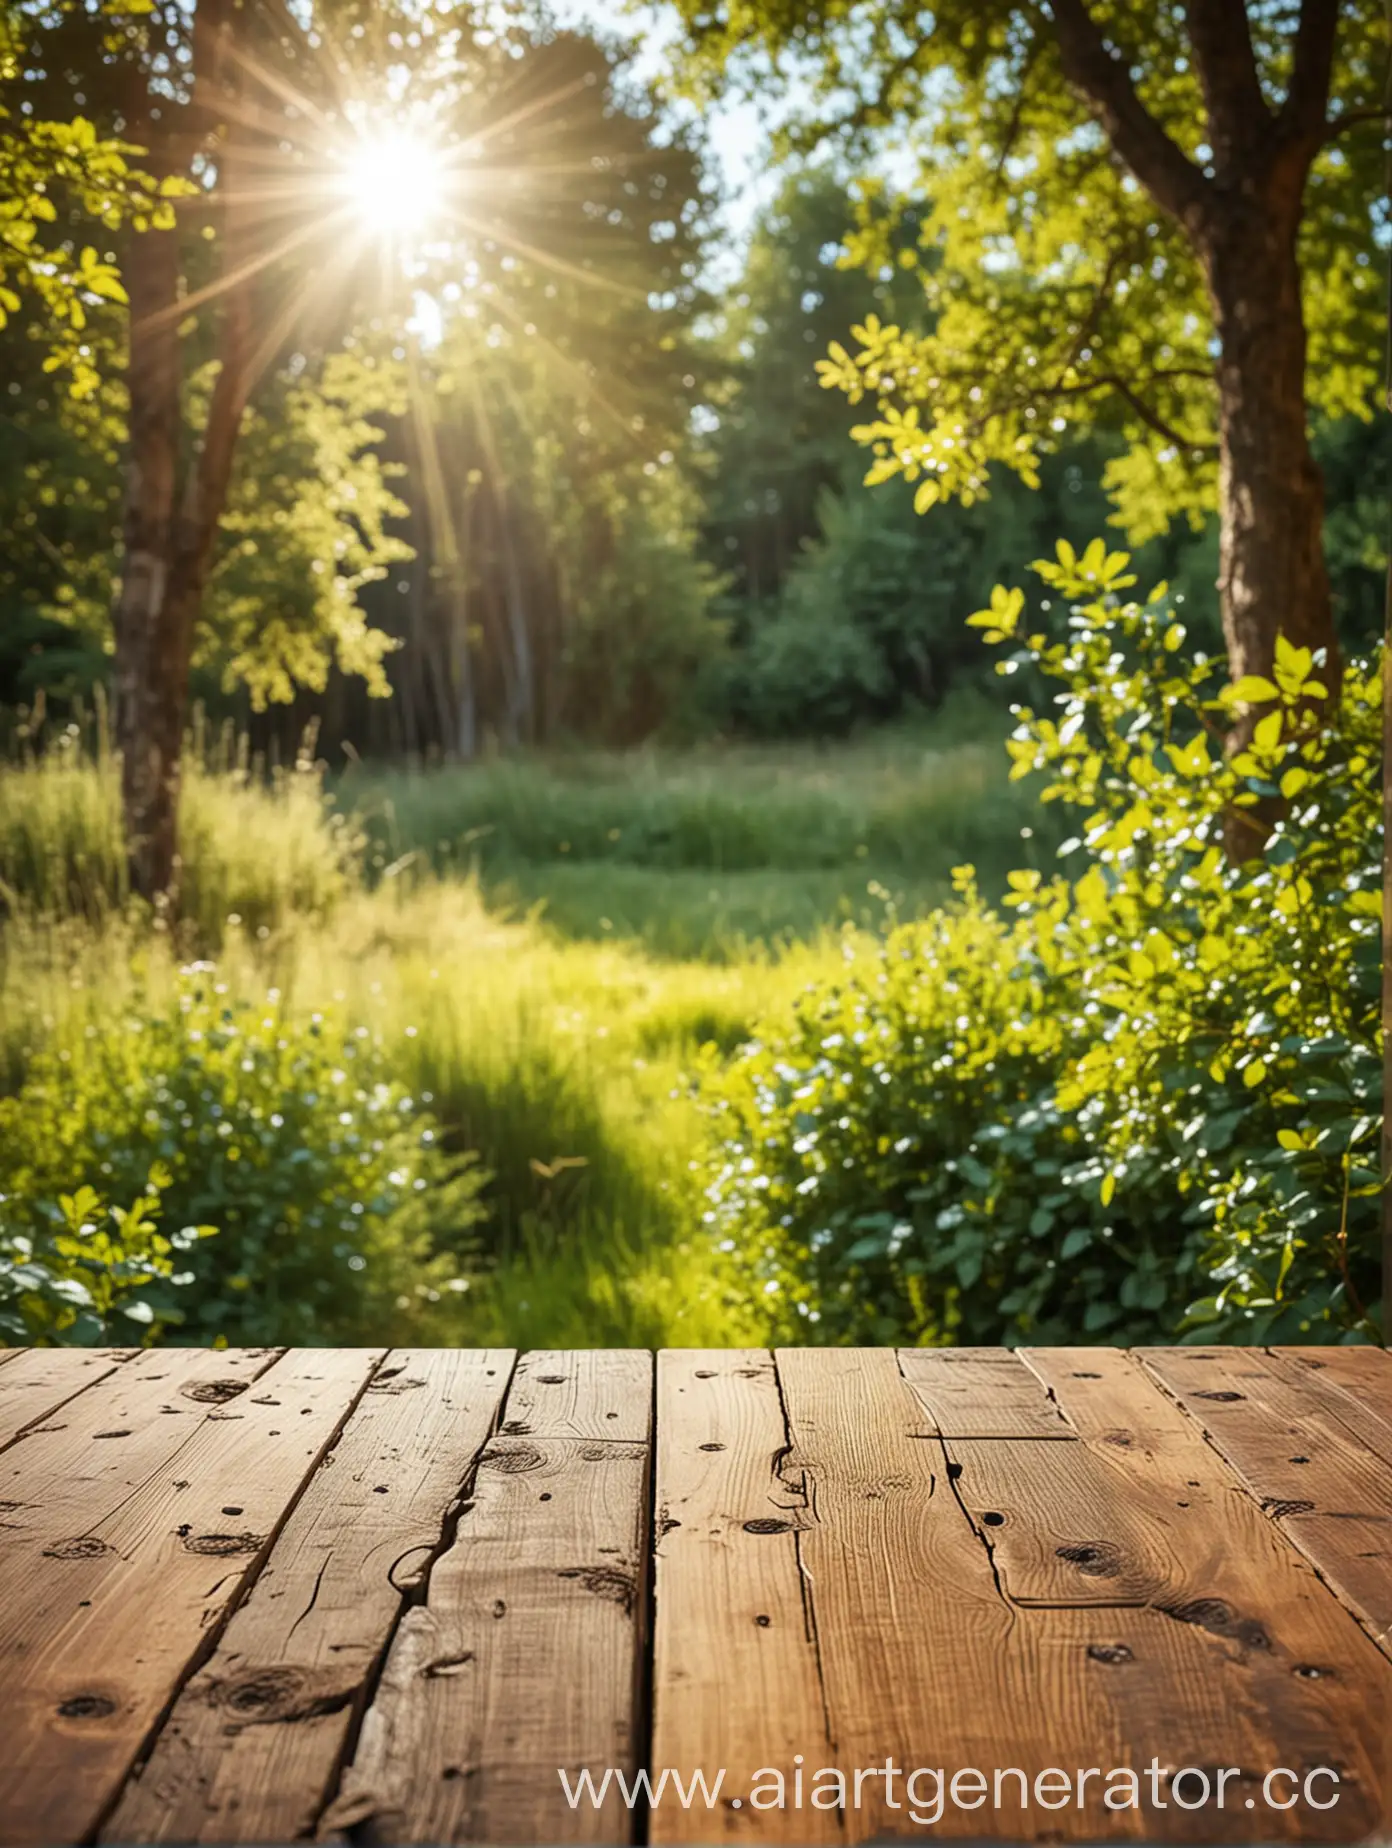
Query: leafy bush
[
  {"x": 69, "y": 1277},
  {"x": 338, "y": 1212},
  {"x": 1160, "y": 1082},
  {"x": 897, "y": 1163},
  {"x": 809, "y": 670}
]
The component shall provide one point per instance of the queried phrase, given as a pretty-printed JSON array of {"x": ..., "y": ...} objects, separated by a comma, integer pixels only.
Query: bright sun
[{"x": 395, "y": 183}]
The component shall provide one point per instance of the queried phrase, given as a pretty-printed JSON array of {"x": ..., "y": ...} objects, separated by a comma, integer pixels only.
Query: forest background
[{"x": 580, "y": 739}]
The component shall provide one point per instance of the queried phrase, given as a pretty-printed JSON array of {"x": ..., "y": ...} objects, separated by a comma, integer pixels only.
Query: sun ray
[
  {"x": 280, "y": 86},
  {"x": 571, "y": 369},
  {"x": 499, "y": 233},
  {"x": 234, "y": 278},
  {"x": 525, "y": 111}
]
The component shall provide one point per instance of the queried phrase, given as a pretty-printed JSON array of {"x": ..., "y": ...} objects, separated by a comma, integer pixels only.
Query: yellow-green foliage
[
  {"x": 260, "y": 852},
  {"x": 562, "y": 1064},
  {"x": 1157, "y": 1087},
  {"x": 559, "y": 1047},
  {"x": 37, "y": 160},
  {"x": 1058, "y": 296},
  {"x": 285, "y": 1134},
  {"x": 75, "y": 1271}
]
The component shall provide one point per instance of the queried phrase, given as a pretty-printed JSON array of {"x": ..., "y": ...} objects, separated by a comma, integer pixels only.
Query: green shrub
[
  {"x": 1160, "y": 1082},
  {"x": 74, "y": 1272},
  {"x": 898, "y": 1167},
  {"x": 809, "y": 671},
  {"x": 338, "y": 1214}
]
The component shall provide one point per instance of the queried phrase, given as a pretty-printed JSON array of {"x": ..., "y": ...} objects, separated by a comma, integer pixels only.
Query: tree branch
[
  {"x": 1354, "y": 118},
  {"x": 1308, "y": 96},
  {"x": 1168, "y": 175},
  {"x": 1237, "y": 113},
  {"x": 1146, "y": 412}
]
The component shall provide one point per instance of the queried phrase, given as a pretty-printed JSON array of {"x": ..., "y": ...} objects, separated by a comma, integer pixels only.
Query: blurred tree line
[{"x": 551, "y": 486}]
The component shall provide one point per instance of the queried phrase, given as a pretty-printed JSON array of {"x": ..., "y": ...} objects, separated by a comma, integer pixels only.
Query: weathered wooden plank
[
  {"x": 980, "y": 1392},
  {"x": 905, "y": 1608},
  {"x": 1353, "y": 1385},
  {"x": 1366, "y": 1371},
  {"x": 94, "y": 1448},
  {"x": 925, "y": 1656},
  {"x": 1056, "y": 1530},
  {"x": 1324, "y": 1687},
  {"x": 525, "y": 1658},
  {"x": 40, "y": 1380},
  {"x": 144, "y": 1512},
  {"x": 1331, "y": 1493},
  {"x": 736, "y": 1681},
  {"x": 12, "y": 1353},
  {"x": 584, "y": 1393},
  {"x": 252, "y": 1746},
  {"x": 1055, "y": 1535}
]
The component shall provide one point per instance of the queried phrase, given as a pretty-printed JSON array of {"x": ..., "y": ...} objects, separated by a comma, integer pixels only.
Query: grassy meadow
[{"x": 545, "y": 943}]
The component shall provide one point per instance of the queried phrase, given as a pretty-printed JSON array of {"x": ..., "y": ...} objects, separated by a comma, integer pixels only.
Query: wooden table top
[{"x": 372, "y": 1596}]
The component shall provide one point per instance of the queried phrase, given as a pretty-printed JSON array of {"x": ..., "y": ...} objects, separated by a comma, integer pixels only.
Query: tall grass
[
  {"x": 564, "y": 1066},
  {"x": 699, "y": 853},
  {"x": 259, "y": 851},
  {"x": 545, "y": 943}
]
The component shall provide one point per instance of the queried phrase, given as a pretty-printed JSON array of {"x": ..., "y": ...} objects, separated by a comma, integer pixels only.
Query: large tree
[
  {"x": 1159, "y": 216},
  {"x": 269, "y": 120}
]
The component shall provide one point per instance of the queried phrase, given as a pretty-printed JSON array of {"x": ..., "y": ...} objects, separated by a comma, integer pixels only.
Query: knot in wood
[
  {"x": 1113, "y": 1654},
  {"x": 82, "y": 1546},
  {"x": 1093, "y": 1558},
  {"x": 512, "y": 1459},
  {"x": 86, "y": 1707},
  {"x": 212, "y": 1392},
  {"x": 224, "y": 1546}
]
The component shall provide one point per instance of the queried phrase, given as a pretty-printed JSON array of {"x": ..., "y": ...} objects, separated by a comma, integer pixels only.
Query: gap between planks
[
  {"x": 255, "y": 1743},
  {"x": 823, "y": 1550},
  {"x": 826, "y": 1580}
]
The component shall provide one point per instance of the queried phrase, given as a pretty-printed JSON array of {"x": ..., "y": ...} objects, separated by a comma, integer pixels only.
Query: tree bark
[
  {"x": 1242, "y": 218},
  {"x": 1272, "y": 578},
  {"x": 148, "y": 693},
  {"x": 173, "y": 505},
  {"x": 168, "y": 559}
]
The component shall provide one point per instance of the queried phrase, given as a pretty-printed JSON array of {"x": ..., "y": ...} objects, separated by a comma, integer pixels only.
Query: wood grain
[
  {"x": 224, "y": 1576},
  {"x": 526, "y": 1656},
  {"x": 38, "y": 1382},
  {"x": 1356, "y": 1390},
  {"x": 736, "y": 1681},
  {"x": 252, "y": 1747},
  {"x": 585, "y": 1393},
  {"x": 907, "y": 1610},
  {"x": 143, "y": 1511},
  {"x": 1366, "y": 1371},
  {"x": 1325, "y": 1691},
  {"x": 1297, "y": 1453},
  {"x": 980, "y": 1392}
]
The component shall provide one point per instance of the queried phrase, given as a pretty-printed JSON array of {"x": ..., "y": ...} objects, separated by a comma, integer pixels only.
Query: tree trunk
[
  {"x": 1242, "y": 215},
  {"x": 168, "y": 555},
  {"x": 172, "y": 508},
  {"x": 1272, "y": 578},
  {"x": 148, "y": 686}
]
